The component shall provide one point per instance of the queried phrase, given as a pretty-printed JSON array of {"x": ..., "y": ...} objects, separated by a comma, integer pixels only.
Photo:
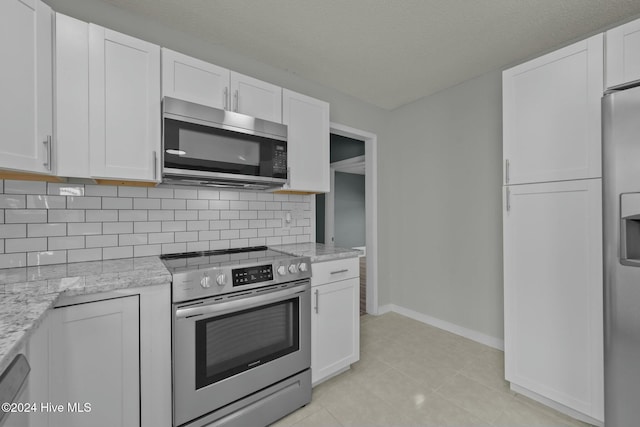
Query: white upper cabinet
[
  {"x": 26, "y": 86},
  {"x": 193, "y": 80},
  {"x": 124, "y": 106},
  {"x": 553, "y": 292},
  {"x": 72, "y": 97},
  {"x": 256, "y": 98},
  {"x": 307, "y": 121},
  {"x": 623, "y": 54},
  {"x": 551, "y": 115}
]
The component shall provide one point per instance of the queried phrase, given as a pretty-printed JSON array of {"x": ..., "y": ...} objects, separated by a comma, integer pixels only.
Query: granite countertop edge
[
  {"x": 28, "y": 293},
  {"x": 318, "y": 252}
]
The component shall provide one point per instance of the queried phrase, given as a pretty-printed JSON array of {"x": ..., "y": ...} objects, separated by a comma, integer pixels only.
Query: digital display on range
[{"x": 248, "y": 275}]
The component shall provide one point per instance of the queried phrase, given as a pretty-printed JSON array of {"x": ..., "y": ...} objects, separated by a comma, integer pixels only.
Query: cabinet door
[
  {"x": 95, "y": 359},
  {"x": 72, "y": 97},
  {"x": 308, "y": 142},
  {"x": 193, "y": 80},
  {"x": 256, "y": 98},
  {"x": 553, "y": 292},
  {"x": 623, "y": 54},
  {"x": 551, "y": 115},
  {"x": 26, "y": 86},
  {"x": 124, "y": 106},
  {"x": 335, "y": 328}
]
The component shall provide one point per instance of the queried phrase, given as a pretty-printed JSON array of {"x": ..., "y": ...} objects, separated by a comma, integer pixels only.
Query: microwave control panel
[{"x": 280, "y": 159}]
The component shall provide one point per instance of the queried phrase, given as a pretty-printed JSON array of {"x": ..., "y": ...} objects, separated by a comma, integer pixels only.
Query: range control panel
[{"x": 248, "y": 275}]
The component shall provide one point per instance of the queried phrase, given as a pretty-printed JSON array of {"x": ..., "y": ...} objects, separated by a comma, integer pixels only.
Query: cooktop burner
[{"x": 210, "y": 273}]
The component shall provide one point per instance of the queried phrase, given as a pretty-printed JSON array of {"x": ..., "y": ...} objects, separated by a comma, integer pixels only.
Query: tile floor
[{"x": 411, "y": 374}]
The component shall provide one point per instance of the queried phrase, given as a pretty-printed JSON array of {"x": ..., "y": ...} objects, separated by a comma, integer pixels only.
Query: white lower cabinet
[
  {"x": 335, "y": 325},
  {"x": 553, "y": 293},
  {"x": 95, "y": 361}
]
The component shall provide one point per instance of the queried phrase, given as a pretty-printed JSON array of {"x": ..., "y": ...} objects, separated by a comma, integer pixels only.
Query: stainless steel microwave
[{"x": 213, "y": 147}]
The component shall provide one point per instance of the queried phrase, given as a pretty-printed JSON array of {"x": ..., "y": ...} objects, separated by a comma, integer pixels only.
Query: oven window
[{"x": 233, "y": 343}]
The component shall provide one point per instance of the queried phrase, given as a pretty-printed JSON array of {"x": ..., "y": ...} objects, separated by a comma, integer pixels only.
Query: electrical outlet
[{"x": 286, "y": 221}]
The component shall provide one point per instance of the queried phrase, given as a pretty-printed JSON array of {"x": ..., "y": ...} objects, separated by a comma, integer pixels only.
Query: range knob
[
  {"x": 293, "y": 269},
  {"x": 282, "y": 270},
  {"x": 302, "y": 266},
  {"x": 221, "y": 280},
  {"x": 205, "y": 282}
]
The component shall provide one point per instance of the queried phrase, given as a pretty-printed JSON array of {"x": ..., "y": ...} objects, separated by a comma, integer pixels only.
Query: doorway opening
[{"x": 347, "y": 215}]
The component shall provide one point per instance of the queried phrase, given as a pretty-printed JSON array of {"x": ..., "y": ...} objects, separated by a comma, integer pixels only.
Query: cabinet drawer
[{"x": 333, "y": 271}]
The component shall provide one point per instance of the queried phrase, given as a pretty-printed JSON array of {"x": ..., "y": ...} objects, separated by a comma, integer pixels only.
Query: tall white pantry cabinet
[{"x": 552, "y": 223}]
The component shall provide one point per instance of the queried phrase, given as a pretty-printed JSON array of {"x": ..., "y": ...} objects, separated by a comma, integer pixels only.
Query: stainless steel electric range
[{"x": 241, "y": 336}]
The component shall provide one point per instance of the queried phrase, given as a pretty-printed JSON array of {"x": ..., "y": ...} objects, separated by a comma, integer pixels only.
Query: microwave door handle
[{"x": 231, "y": 306}]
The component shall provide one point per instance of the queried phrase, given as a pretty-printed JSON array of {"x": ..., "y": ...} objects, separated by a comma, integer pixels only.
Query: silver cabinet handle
[
  {"x": 508, "y": 199},
  {"x": 340, "y": 271},
  {"x": 506, "y": 171},
  {"x": 317, "y": 301},
  {"x": 155, "y": 165},
  {"x": 237, "y": 101},
  {"x": 226, "y": 98},
  {"x": 47, "y": 143}
]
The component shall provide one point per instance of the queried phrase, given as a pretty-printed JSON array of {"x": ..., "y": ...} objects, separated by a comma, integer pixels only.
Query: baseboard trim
[{"x": 476, "y": 336}]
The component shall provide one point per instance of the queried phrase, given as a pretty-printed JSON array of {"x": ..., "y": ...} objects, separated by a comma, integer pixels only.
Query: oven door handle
[{"x": 221, "y": 308}]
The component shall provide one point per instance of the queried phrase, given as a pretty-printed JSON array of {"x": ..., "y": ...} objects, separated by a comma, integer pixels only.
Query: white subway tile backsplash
[
  {"x": 118, "y": 227},
  {"x": 8, "y": 231},
  {"x": 161, "y": 193},
  {"x": 197, "y": 246},
  {"x": 58, "y": 222},
  {"x": 117, "y": 203},
  {"x": 186, "y": 215},
  {"x": 197, "y": 204},
  {"x": 183, "y": 193},
  {"x": 46, "y": 258},
  {"x": 66, "y": 215},
  {"x": 84, "y": 228},
  {"x": 56, "y": 189},
  {"x": 24, "y": 187},
  {"x": 161, "y": 238},
  {"x": 208, "y": 215},
  {"x": 132, "y": 239},
  {"x": 82, "y": 255},
  {"x": 101, "y": 216},
  {"x": 101, "y": 190},
  {"x": 12, "y": 201},
  {"x": 174, "y": 204},
  {"x": 119, "y": 252},
  {"x": 25, "y": 245},
  {"x": 13, "y": 260},
  {"x": 101, "y": 241},
  {"x": 132, "y": 192},
  {"x": 46, "y": 202},
  {"x": 174, "y": 248},
  {"x": 147, "y": 227},
  {"x": 161, "y": 215},
  {"x": 46, "y": 230},
  {"x": 133, "y": 215},
  {"x": 229, "y": 214},
  {"x": 146, "y": 203},
  {"x": 248, "y": 214},
  {"x": 186, "y": 236},
  {"x": 73, "y": 242},
  {"x": 75, "y": 202},
  {"x": 147, "y": 250},
  {"x": 25, "y": 216},
  {"x": 197, "y": 225}
]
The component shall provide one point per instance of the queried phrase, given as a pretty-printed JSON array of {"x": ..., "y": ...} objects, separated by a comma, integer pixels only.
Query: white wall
[{"x": 443, "y": 237}]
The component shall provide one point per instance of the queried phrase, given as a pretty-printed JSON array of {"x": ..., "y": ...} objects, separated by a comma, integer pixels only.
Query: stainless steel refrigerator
[{"x": 621, "y": 199}]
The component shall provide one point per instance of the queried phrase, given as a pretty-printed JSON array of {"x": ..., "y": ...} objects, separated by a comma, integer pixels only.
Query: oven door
[{"x": 226, "y": 349}]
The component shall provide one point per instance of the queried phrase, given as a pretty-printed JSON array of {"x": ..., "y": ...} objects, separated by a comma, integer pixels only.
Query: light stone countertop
[
  {"x": 27, "y": 293},
  {"x": 318, "y": 252}
]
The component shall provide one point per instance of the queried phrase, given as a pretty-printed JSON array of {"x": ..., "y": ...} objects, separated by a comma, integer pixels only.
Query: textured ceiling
[{"x": 387, "y": 52}]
